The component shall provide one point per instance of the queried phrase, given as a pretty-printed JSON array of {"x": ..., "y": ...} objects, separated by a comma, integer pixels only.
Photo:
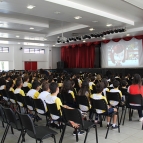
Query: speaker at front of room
[{"x": 60, "y": 65}]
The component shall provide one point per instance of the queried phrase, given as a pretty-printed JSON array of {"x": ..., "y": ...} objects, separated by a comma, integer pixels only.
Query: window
[
  {"x": 4, "y": 49},
  {"x": 4, "y": 65},
  {"x": 34, "y": 51}
]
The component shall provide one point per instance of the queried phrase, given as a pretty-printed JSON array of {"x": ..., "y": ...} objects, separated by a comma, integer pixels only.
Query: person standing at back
[{"x": 137, "y": 88}]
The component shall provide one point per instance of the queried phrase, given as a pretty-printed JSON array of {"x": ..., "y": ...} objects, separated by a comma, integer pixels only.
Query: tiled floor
[{"x": 130, "y": 133}]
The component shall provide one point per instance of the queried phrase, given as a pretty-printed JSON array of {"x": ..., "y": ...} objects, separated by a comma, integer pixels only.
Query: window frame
[{"x": 34, "y": 51}]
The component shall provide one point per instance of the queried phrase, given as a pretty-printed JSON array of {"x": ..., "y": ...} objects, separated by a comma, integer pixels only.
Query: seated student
[
  {"x": 46, "y": 92},
  {"x": 67, "y": 88},
  {"x": 34, "y": 92},
  {"x": 84, "y": 90},
  {"x": 104, "y": 80},
  {"x": 115, "y": 89},
  {"x": 54, "y": 89},
  {"x": 91, "y": 83},
  {"x": 98, "y": 95},
  {"x": 26, "y": 82},
  {"x": 19, "y": 85},
  {"x": 137, "y": 88}
]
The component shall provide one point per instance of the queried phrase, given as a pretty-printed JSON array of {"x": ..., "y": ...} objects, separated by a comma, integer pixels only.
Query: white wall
[{"x": 16, "y": 57}]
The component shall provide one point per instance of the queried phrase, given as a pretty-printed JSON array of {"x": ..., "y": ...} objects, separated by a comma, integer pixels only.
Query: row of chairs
[{"x": 24, "y": 124}]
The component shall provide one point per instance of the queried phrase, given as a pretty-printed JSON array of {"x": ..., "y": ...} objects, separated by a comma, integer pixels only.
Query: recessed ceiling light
[
  {"x": 17, "y": 36},
  {"x": 30, "y": 6},
  {"x": 108, "y": 25},
  {"x": 91, "y": 29},
  {"x": 84, "y": 41},
  {"x": 77, "y": 17},
  {"x": 31, "y": 28},
  {"x": 18, "y": 43},
  {"x": 57, "y": 12},
  {"x": 128, "y": 35},
  {"x": 94, "y": 21},
  {"x": 53, "y": 45}
]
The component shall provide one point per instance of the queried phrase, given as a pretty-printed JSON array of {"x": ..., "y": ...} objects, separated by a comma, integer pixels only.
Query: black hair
[
  {"x": 92, "y": 78},
  {"x": 116, "y": 83},
  {"x": 84, "y": 88},
  {"x": 18, "y": 82},
  {"x": 137, "y": 80},
  {"x": 9, "y": 84},
  {"x": 53, "y": 87},
  {"x": 99, "y": 87},
  {"x": 35, "y": 84},
  {"x": 124, "y": 83}
]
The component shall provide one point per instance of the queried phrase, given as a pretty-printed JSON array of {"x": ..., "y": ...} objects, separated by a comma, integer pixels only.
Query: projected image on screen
[{"x": 123, "y": 55}]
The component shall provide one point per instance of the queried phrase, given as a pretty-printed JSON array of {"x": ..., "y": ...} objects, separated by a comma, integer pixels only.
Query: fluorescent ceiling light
[
  {"x": 17, "y": 36},
  {"x": 108, "y": 25},
  {"x": 77, "y": 17},
  {"x": 103, "y": 38},
  {"x": 4, "y": 42},
  {"x": 128, "y": 35},
  {"x": 53, "y": 45},
  {"x": 137, "y": 3},
  {"x": 87, "y": 9},
  {"x": 18, "y": 43},
  {"x": 30, "y": 6},
  {"x": 84, "y": 41},
  {"x": 91, "y": 29},
  {"x": 31, "y": 28}
]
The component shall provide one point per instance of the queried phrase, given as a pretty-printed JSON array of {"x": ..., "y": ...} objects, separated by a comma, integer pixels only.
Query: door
[{"x": 30, "y": 65}]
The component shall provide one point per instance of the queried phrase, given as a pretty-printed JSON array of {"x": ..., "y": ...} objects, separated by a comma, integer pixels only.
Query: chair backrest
[
  {"x": 82, "y": 100},
  {"x": 2, "y": 115},
  {"x": 25, "y": 89},
  {"x": 115, "y": 96},
  {"x": 67, "y": 98},
  {"x": 98, "y": 104},
  {"x": 123, "y": 90},
  {"x": 52, "y": 109},
  {"x": 72, "y": 115},
  {"x": 10, "y": 117},
  {"x": 4, "y": 93},
  {"x": 27, "y": 123},
  {"x": 39, "y": 104},
  {"x": 29, "y": 102},
  {"x": 135, "y": 99},
  {"x": 11, "y": 96},
  {"x": 20, "y": 99}
]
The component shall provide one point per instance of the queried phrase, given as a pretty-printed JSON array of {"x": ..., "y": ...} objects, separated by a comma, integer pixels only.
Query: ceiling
[{"x": 47, "y": 23}]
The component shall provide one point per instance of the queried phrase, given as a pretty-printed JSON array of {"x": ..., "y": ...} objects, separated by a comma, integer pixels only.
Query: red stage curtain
[{"x": 79, "y": 56}]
